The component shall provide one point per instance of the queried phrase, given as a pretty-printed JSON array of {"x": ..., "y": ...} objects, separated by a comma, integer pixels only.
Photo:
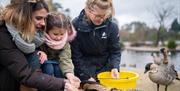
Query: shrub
[{"x": 171, "y": 44}]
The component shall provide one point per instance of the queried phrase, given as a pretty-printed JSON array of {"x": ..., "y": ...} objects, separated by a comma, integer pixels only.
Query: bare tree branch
[{"x": 162, "y": 12}]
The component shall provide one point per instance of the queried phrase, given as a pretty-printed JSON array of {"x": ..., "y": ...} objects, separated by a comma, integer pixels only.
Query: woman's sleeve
[
  {"x": 15, "y": 62},
  {"x": 77, "y": 56},
  {"x": 114, "y": 47}
]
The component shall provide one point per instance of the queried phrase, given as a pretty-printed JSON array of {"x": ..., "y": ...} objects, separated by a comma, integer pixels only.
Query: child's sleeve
[{"x": 66, "y": 64}]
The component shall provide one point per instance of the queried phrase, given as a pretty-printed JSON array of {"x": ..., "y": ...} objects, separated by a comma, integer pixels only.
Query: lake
[{"x": 138, "y": 60}]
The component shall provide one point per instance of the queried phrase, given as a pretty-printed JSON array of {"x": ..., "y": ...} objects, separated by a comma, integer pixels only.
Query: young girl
[{"x": 58, "y": 33}]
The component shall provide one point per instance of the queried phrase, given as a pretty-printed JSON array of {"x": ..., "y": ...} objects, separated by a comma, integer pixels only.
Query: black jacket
[
  {"x": 96, "y": 48},
  {"x": 14, "y": 68}
]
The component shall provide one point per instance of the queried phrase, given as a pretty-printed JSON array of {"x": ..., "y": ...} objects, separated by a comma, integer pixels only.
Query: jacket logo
[{"x": 104, "y": 35}]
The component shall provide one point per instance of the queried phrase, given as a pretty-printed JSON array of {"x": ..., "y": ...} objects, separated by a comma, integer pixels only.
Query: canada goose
[
  {"x": 156, "y": 58},
  {"x": 169, "y": 65},
  {"x": 164, "y": 51},
  {"x": 161, "y": 57},
  {"x": 163, "y": 73}
]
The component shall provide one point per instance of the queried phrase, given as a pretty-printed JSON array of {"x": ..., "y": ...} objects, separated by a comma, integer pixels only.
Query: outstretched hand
[
  {"x": 69, "y": 87},
  {"x": 75, "y": 81},
  {"x": 115, "y": 73}
]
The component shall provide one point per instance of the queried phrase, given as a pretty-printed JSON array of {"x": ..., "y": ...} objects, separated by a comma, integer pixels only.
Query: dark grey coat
[{"x": 14, "y": 68}]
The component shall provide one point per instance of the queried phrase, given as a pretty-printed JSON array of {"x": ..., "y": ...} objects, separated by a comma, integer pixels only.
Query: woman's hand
[
  {"x": 69, "y": 86},
  {"x": 92, "y": 79},
  {"x": 42, "y": 56},
  {"x": 75, "y": 81},
  {"x": 114, "y": 73}
]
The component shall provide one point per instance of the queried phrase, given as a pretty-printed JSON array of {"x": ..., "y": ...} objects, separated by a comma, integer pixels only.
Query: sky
[{"x": 130, "y": 10}]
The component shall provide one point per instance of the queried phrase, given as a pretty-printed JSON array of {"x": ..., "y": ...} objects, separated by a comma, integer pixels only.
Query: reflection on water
[{"x": 137, "y": 60}]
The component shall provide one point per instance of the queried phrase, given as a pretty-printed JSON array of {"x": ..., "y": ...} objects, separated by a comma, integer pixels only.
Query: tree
[
  {"x": 136, "y": 32},
  {"x": 162, "y": 12},
  {"x": 57, "y": 7},
  {"x": 175, "y": 26},
  {"x": 53, "y": 6},
  {"x": 14, "y": 1}
]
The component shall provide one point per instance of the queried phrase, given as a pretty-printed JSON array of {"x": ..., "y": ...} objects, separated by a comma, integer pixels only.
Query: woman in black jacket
[
  {"x": 21, "y": 20},
  {"x": 96, "y": 47}
]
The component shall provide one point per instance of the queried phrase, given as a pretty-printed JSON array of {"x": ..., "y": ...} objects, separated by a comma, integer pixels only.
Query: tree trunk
[{"x": 158, "y": 38}]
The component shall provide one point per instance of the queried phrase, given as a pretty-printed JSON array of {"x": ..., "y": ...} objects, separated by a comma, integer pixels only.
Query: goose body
[
  {"x": 160, "y": 75},
  {"x": 162, "y": 71}
]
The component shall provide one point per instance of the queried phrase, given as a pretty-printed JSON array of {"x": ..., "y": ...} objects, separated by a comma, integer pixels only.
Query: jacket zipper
[{"x": 94, "y": 33}]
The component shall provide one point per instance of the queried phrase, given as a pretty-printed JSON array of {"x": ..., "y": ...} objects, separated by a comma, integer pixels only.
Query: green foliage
[
  {"x": 171, "y": 44},
  {"x": 175, "y": 26},
  {"x": 121, "y": 44},
  {"x": 142, "y": 33},
  {"x": 173, "y": 35}
]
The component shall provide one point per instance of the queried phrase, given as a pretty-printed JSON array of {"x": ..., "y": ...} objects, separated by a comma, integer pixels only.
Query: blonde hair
[
  {"x": 23, "y": 23},
  {"x": 20, "y": 16},
  {"x": 102, "y": 4},
  {"x": 1, "y": 13}
]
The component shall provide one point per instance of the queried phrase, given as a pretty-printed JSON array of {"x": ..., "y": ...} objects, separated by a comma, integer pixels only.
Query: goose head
[
  {"x": 147, "y": 67},
  {"x": 165, "y": 53},
  {"x": 151, "y": 67}
]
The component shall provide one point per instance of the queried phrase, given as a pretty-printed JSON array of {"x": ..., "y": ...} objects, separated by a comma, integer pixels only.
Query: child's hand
[
  {"x": 75, "y": 81},
  {"x": 42, "y": 56},
  {"x": 114, "y": 73}
]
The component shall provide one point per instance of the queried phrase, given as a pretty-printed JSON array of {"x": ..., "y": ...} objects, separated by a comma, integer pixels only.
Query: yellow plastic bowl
[{"x": 126, "y": 81}]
